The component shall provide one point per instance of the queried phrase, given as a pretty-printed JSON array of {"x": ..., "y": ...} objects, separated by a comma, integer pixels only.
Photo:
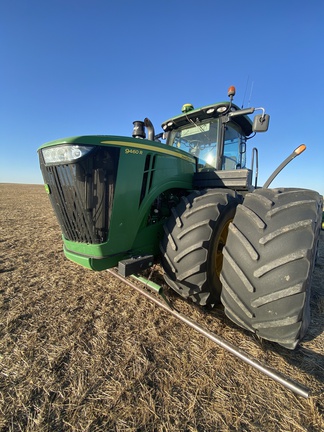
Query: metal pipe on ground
[{"x": 294, "y": 386}]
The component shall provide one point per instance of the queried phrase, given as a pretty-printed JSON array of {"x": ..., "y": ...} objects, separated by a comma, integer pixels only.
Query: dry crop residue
[{"x": 80, "y": 351}]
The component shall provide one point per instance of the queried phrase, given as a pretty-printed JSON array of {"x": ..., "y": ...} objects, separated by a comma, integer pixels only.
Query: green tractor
[{"x": 192, "y": 204}]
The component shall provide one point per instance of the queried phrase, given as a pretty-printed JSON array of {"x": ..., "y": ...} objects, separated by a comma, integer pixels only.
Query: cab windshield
[{"x": 198, "y": 139}]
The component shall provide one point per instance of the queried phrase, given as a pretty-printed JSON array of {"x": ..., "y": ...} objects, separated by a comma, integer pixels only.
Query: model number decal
[{"x": 133, "y": 151}]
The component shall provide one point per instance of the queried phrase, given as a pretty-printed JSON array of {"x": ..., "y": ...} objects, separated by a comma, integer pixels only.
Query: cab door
[{"x": 234, "y": 147}]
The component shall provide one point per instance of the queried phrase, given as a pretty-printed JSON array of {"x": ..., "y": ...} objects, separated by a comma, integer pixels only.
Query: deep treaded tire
[
  {"x": 268, "y": 263},
  {"x": 195, "y": 235}
]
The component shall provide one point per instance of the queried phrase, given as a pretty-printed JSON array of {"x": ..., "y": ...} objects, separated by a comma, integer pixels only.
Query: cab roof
[{"x": 208, "y": 112}]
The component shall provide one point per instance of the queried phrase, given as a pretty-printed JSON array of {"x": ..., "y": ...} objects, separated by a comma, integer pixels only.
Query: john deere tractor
[{"x": 192, "y": 204}]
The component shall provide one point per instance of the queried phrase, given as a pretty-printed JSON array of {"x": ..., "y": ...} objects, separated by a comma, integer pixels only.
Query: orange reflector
[{"x": 300, "y": 149}]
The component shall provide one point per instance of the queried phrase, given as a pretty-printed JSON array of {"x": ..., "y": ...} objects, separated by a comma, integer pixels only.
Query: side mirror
[{"x": 261, "y": 123}]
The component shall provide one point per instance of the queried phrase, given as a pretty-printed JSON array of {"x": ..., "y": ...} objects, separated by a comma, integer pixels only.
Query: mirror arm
[
  {"x": 246, "y": 111},
  {"x": 241, "y": 112}
]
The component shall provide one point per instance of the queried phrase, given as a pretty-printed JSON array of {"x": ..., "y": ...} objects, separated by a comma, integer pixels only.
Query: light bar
[{"x": 64, "y": 153}]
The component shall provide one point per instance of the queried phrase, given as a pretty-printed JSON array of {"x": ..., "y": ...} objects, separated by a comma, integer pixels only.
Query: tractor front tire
[
  {"x": 195, "y": 235},
  {"x": 268, "y": 263}
]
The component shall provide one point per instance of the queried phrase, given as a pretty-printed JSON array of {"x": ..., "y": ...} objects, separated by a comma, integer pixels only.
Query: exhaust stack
[{"x": 150, "y": 129}]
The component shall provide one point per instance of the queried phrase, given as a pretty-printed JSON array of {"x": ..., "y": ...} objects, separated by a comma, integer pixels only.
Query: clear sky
[{"x": 75, "y": 67}]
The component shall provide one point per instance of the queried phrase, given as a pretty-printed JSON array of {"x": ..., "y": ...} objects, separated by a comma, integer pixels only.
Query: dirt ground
[{"x": 82, "y": 351}]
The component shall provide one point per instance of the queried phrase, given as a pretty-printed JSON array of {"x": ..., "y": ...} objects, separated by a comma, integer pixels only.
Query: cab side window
[{"x": 234, "y": 148}]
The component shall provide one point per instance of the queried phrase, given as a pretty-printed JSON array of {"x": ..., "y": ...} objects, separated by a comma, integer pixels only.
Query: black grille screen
[{"x": 82, "y": 194}]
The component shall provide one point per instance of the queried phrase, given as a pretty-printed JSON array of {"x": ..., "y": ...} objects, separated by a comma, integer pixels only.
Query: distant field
[{"x": 81, "y": 351}]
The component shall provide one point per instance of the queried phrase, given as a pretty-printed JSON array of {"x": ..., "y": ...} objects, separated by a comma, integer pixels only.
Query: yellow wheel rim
[{"x": 219, "y": 246}]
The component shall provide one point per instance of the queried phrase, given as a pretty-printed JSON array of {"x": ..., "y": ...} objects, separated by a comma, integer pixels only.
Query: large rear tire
[
  {"x": 268, "y": 263},
  {"x": 194, "y": 238}
]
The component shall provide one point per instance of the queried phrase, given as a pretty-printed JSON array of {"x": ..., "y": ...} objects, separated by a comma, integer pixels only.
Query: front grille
[{"x": 82, "y": 194}]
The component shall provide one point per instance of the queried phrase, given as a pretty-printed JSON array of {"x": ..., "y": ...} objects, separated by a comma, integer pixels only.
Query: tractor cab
[
  {"x": 215, "y": 134},
  {"x": 203, "y": 139}
]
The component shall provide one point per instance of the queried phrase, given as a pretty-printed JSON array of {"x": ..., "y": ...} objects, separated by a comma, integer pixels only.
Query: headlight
[{"x": 64, "y": 153}]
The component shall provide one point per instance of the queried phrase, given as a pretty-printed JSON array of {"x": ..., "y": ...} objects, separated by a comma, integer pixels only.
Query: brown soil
[{"x": 81, "y": 351}]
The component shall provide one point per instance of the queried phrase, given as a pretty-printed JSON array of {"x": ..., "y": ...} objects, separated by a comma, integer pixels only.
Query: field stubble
[{"x": 81, "y": 351}]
